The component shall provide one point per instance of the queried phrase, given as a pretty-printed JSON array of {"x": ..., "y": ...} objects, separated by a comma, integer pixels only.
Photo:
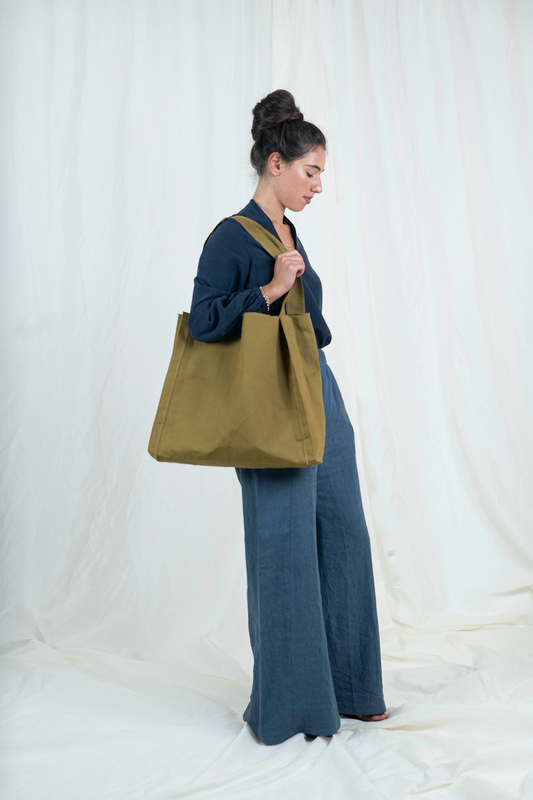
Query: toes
[{"x": 367, "y": 717}]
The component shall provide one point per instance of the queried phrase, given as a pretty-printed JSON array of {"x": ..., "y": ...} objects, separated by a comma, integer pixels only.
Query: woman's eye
[{"x": 309, "y": 176}]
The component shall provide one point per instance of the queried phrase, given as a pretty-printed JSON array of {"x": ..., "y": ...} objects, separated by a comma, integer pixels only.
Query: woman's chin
[{"x": 297, "y": 205}]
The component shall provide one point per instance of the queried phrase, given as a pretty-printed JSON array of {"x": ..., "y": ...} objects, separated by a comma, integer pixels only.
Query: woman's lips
[{"x": 307, "y": 199}]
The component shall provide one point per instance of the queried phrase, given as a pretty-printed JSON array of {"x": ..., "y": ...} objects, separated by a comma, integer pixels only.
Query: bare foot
[{"x": 366, "y": 717}]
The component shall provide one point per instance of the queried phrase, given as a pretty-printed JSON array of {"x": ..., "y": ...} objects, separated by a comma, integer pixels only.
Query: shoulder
[
  {"x": 226, "y": 255},
  {"x": 228, "y": 234}
]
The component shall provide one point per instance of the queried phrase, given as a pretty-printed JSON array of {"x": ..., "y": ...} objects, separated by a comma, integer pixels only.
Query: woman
[{"x": 311, "y": 602}]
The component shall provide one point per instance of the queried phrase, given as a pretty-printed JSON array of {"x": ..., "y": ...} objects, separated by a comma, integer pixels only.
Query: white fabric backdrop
[{"x": 125, "y": 133}]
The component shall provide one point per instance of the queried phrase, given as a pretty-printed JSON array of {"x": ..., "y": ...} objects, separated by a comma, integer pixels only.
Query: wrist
[{"x": 273, "y": 292}]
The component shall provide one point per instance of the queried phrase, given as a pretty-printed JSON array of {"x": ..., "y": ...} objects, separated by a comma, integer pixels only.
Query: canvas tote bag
[{"x": 252, "y": 401}]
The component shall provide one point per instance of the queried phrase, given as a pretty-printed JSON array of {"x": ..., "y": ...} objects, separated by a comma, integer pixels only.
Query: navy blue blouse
[{"x": 232, "y": 267}]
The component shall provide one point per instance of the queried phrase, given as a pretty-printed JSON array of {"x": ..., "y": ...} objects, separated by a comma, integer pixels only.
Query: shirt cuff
[{"x": 261, "y": 299}]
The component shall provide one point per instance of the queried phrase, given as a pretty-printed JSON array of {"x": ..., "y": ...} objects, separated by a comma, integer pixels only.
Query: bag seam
[{"x": 171, "y": 394}]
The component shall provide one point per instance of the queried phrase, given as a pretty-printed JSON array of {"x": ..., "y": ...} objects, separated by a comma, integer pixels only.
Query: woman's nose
[{"x": 318, "y": 186}]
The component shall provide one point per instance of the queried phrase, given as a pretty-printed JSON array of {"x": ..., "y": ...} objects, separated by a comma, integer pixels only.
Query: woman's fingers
[{"x": 289, "y": 266}]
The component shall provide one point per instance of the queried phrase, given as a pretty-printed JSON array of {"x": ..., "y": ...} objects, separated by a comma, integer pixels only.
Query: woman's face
[{"x": 297, "y": 183}]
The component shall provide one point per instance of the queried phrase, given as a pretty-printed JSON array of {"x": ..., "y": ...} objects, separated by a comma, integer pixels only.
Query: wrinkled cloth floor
[{"x": 89, "y": 724}]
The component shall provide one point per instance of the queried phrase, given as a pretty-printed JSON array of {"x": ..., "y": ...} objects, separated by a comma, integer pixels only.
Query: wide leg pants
[{"x": 310, "y": 588}]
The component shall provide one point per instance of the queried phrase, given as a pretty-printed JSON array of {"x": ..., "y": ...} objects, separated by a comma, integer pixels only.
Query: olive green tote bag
[{"x": 254, "y": 401}]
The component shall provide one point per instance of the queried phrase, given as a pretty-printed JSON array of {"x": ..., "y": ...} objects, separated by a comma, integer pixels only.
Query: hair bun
[
  {"x": 296, "y": 114},
  {"x": 275, "y": 108}
]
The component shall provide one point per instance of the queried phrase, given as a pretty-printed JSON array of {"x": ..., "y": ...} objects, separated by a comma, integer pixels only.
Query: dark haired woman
[{"x": 311, "y": 601}]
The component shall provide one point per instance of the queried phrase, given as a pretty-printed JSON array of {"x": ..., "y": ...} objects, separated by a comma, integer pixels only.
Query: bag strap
[{"x": 294, "y": 302}]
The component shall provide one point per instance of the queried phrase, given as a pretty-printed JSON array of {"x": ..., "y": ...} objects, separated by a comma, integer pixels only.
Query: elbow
[
  {"x": 214, "y": 333},
  {"x": 201, "y": 332},
  {"x": 200, "y": 336},
  {"x": 206, "y": 324},
  {"x": 196, "y": 330}
]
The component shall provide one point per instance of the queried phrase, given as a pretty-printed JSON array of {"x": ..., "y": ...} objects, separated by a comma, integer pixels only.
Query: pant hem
[{"x": 290, "y": 735}]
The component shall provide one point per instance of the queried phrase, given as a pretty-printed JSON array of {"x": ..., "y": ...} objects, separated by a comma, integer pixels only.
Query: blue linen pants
[{"x": 312, "y": 615}]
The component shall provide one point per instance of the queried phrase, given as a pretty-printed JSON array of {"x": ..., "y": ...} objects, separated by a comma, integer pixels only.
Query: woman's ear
[{"x": 274, "y": 164}]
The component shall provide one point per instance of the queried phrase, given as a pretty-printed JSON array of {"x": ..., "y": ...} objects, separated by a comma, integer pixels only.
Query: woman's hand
[{"x": 288, "y": 267}]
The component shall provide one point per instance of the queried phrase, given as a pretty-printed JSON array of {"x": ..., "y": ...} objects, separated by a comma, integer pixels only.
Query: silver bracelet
[{"x": 267, "y": 301}]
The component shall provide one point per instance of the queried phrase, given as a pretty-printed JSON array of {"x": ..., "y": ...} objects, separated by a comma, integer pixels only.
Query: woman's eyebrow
[{"x": 314, "y": 166}]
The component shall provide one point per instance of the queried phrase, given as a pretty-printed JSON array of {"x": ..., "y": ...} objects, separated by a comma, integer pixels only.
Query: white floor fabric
[{"x": 89, "y": 724}]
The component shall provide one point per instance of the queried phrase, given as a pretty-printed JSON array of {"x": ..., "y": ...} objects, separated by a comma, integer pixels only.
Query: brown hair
[{"x": 279, "y": 127}]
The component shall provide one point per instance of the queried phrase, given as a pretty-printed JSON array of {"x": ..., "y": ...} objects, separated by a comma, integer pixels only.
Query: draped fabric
[{"x": 125, "y": 139}]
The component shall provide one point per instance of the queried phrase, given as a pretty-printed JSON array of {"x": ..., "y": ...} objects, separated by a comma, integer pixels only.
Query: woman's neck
[{"x": 269, "y": 203}]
